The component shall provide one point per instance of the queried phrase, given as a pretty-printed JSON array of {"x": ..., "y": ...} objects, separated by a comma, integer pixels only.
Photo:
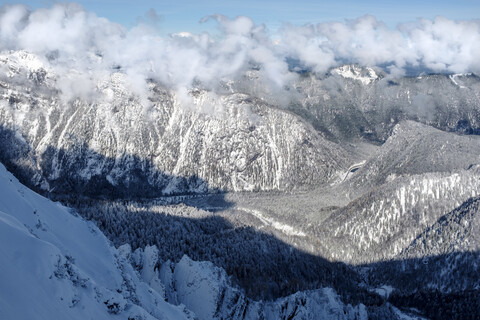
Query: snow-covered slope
[
  {"x": 457, "y": 231},
  {"x": 416, "y": 177},
  {"x": 364, "y": 75},
  {"x": 450, "y": 250},
  {"x": 380, "y": 224},
  {"x": 122, "y": 140},
  {"x": 350, "y": 102},
  {"x": 162, "y": 141},
  {"x": 415, "y": 148},
  {"x": 55, "y": 265}
]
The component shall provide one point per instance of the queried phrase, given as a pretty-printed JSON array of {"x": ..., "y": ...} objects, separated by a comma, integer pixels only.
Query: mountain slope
[
  {"x": 438, "y": 271},
  {"x": 56, "y": 265},
  {"x": 381, "y": 223},
  {"x": 449, "y": 250},
  {"x": 353, "y": 102},
  {"x": 122, "y": 140},
  {"x": 458, "y": 230},
  {"x": 416, "y": 177},
  {"x": 159, "y": 142}
]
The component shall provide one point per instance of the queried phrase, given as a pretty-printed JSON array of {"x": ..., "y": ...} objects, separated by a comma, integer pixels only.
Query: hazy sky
[{"x": 184, "y": 15}]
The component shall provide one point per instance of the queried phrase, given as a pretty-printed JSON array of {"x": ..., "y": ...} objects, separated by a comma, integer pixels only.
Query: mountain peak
[{"x": 365, "y": 75}]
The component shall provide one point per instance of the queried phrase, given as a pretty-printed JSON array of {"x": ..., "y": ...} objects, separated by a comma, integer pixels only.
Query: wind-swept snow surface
[{"x": 55, "y": 265}]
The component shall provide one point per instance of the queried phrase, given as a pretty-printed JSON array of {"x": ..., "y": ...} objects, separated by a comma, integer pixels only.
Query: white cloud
[{"x": 92, "y": 46}]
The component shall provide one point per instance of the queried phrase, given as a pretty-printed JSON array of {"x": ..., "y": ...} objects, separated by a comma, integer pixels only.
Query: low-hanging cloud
[
  {"x": 440, "y": 45},
  {"x": 71, "y": 40}
]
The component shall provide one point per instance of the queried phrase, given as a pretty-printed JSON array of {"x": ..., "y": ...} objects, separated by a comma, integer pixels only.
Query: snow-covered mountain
[
  {"x": 353, "y": 172},
  {"x": 120, "y": 140},
  {"x": 354, "y": 101},
  {"x": 423, "y": 172},
  {"x": 163, "y": 142},
  {"x": 326, "y": 171},
  {"x": 455, "y": 231},
  {"x": 364, "y": 75}
]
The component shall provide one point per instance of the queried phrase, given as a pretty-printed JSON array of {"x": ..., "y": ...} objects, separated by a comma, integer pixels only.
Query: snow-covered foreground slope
[{"x": 55, "y": 265}]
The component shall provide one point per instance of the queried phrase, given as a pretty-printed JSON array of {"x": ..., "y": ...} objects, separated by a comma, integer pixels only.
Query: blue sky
[{"x": 183, "y": 15}]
